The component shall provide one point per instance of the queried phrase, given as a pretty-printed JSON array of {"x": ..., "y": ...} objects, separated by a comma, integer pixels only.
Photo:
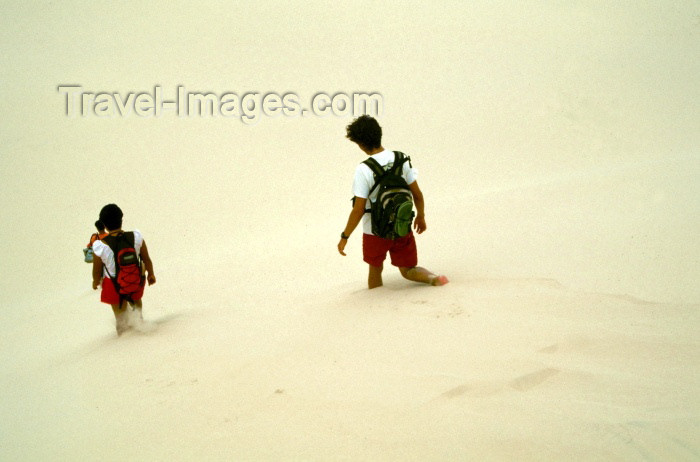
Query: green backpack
[{"x": 392, "y": 211}]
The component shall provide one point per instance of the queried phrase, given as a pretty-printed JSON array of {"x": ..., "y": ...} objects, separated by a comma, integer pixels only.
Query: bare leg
[
  {"x": 375, "y": 276},
  {"x": 120, "y": 315},
  {"x": 136, "y": 316},
  {"x": 419, "y": 274},
  {"x": 137, "y": 306}
]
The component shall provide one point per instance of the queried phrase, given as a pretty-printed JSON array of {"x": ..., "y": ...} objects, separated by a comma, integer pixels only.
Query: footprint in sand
[
  {"x": 457, "y": 391},
  {"x": 571, "y": 344},
  {"x": 550, "y": 349},
  {"x": 483, "y": 389},
  {"x": 529, "y": 381},
  {"x": 477, "y": 389}
]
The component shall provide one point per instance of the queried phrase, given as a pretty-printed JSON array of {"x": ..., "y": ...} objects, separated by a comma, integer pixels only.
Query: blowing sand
[{"x": 559, "y": 153}]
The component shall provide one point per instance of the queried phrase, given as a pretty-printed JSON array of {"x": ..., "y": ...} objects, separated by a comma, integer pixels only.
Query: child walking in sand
[
  {"x": 400, "y": 243},
  {"x": 121, "y": 260}
]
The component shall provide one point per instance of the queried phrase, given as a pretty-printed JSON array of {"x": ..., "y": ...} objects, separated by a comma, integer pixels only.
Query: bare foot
[
  {"x": 121, "y": 329},
  {"x": 122, "y": 323},
  {"x": 439, "y": 280}
]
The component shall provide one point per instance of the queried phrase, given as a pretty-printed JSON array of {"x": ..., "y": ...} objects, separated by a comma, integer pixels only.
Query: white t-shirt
[
  {"x": 105, "y": 253},
  {"x": 364, "y": 180}
]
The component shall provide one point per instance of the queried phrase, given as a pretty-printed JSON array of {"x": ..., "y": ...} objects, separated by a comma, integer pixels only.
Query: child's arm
[{"x": 150, "y": 277}]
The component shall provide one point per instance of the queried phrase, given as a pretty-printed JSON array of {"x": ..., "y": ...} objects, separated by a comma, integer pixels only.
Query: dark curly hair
[
  {"x": 365, "y": 131},
  {"x": 111, "y": 215}
]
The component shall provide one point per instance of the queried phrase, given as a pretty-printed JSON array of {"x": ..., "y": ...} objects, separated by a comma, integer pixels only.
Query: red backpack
[{"x": 128, "y": 277}]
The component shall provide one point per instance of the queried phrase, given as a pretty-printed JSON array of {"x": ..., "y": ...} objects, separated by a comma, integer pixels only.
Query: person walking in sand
[
  {"x": 367, "y": 134},
  {"x": 122, "y": 258}
]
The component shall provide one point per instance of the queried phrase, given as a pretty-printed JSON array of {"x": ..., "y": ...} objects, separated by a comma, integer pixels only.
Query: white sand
[{"x": 559, "y": 152}]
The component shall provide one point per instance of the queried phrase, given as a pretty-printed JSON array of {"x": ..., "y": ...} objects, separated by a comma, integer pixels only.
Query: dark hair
[
  {"x": 111, "y": 215},
  {"x": 365, "y": 131},
  {"x": 99, "y": 225}
]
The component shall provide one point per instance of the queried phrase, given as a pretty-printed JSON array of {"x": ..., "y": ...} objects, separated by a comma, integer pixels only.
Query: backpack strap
[
  {"x": 111, "y": 243},
  {"x": 130, "y": 238},
  {"x": 109, "y": 240},
  {"x": 399, "y": 159},
  {"x": 374, "y": 166},
  {"x": 378, "y": 173}
]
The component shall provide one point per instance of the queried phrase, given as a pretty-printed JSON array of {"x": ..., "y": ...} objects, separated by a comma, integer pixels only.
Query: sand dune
[{"x": 559, "y": 153}]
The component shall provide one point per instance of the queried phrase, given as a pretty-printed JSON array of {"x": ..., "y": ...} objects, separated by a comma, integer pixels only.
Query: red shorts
[
  {"x": 111, "y": 296},
  {"x": 403, "y": 250}
]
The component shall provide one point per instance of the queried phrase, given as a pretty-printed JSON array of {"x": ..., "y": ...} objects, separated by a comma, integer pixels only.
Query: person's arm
[
  {"x": 96, "y": 272},
  {"x": 150, "y": 275},
  {"x": 419, "y": 222},
  {"x": 358, "y": 210}
]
